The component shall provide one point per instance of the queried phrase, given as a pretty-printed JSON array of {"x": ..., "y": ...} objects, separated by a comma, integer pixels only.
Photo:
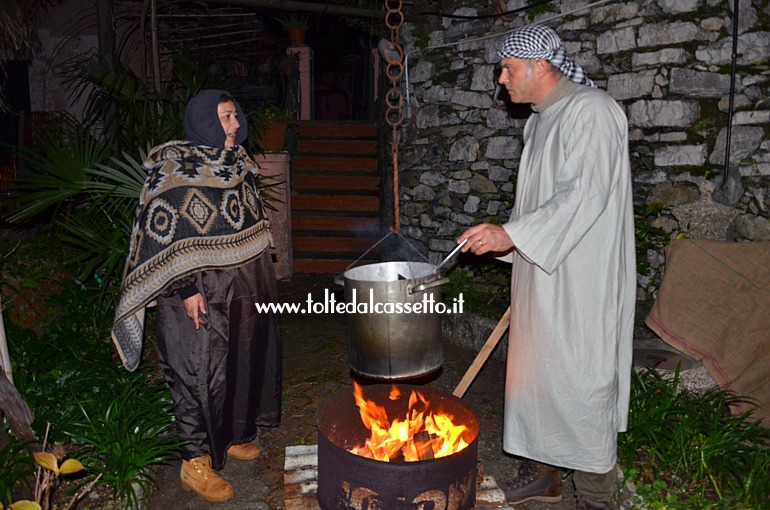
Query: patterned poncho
[{"x": 199, "y": 209}]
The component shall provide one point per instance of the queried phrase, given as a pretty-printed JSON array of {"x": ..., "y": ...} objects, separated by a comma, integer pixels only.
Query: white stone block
[
  {"x": 616, "y": 41},
  {"x": 680, "y": 155},
  {"x": 631, "y": 85},
  {"x": 756, "y": 117},
  {"x": 661, "y": 113}
]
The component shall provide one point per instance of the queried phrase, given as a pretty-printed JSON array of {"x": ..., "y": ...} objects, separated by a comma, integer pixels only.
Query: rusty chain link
[{"x": 393, "y": 98}]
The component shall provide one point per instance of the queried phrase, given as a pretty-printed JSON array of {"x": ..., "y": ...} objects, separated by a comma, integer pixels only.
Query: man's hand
[
  {"x": 486, "y": 238},
  {"x": 195, "y": 308}
]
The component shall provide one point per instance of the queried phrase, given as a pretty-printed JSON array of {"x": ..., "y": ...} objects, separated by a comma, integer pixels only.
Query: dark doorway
[
  {"x": 15, "y": 86},
  {"x": 343, "y": 70}
]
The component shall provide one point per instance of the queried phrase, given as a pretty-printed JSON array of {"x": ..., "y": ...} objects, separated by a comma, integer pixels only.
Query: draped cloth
[
  {"x": 538, "y": 42},
  {"x": 713, "y": 306},
  {"x": 573, "y": 285},
  {"x": 199, "y": 209}
]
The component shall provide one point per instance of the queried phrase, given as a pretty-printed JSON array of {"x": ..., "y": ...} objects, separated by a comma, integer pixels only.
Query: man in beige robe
[{"x": 571, "y": 243}]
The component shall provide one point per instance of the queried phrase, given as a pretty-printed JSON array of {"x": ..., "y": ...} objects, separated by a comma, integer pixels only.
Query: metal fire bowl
[{"x": 350, "y": 482}]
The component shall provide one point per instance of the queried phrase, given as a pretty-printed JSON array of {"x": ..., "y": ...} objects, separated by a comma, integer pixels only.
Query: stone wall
[{"x": 667, "y": 62}]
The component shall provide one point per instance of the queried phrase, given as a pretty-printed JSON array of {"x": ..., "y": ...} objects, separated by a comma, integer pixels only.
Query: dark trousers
[
  {"x": 596, "y": 486},
  {"x": 225, "y": 377}
]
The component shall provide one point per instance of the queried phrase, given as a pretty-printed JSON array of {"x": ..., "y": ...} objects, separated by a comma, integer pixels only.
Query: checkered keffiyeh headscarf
[{"x": 538, "y": 42}]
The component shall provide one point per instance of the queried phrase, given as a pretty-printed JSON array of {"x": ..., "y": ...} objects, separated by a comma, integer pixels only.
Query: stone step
[
  {"x": 335, "y": 203},
  {"x": 343, "y": 164},
  {"x": 361, "y": 184},
  {"x": 320, "y": 129},
  {"x": 335, "y": 195}
]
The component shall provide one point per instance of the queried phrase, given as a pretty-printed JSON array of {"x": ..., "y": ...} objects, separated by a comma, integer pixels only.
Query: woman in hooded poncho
[{"x": 200, "y": 250}]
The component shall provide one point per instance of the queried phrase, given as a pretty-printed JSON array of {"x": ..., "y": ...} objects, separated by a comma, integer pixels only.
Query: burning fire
[{"x": 422, "y": 434}]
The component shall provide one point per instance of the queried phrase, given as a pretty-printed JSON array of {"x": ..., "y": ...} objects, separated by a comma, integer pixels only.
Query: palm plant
[
  {"x": 114, "y": 188},
  {"x": 77, "y": 179},
  {"x": 125, "y": 109},
  {"x": 58, "y": 173},
  {"x": 90, "y": 171}
]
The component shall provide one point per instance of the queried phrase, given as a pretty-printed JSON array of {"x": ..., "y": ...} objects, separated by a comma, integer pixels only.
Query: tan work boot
[
  {"x": 198, "y": 477},
  {"x": 245, "y": 451}
]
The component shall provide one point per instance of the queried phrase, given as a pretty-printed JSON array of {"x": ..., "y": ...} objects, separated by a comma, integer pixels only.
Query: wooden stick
[{"x": 483, "y": 354}]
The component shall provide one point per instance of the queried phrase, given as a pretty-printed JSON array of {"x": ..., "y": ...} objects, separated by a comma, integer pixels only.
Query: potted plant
[
  {"x": 271, "y": 123},
  {"x": 295, "y": 27}
]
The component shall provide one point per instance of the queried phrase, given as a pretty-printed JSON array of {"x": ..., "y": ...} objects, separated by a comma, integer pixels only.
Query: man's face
[
  {"x": 228, "y": 116},
  {"x": 518, "y": 78}
]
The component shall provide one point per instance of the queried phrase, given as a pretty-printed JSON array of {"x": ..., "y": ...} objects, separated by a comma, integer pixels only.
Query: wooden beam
[
  {"x": 154, "y": 39},
  {"x": 106, "y": 27},
  {"x": 299, "y": 7},
  {"x": 332, "y": 244}
]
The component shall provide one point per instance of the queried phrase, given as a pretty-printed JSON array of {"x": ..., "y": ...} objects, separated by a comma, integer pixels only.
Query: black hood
[{"x": 201, "y": 122}]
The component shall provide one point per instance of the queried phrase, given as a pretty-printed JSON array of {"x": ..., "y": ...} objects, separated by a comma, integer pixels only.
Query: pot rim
[{"x": 391, "y": 272}]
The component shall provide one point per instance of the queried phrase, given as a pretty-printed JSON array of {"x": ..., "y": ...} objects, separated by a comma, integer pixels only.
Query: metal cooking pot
[{"x": 384, "y": 340}]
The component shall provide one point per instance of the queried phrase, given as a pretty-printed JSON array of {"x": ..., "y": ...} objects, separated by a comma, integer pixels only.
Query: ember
[{"x": 422, "y": 434}]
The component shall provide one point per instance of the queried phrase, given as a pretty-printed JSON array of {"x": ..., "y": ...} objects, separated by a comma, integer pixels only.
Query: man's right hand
[{"x": 486, "y": 238}]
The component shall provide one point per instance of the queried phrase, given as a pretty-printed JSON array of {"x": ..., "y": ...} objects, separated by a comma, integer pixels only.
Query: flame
[{"x": 389, "y": 441}]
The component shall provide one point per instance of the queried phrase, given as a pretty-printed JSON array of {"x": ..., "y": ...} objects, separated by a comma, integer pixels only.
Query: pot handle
[{"x": 427, "y": 285}]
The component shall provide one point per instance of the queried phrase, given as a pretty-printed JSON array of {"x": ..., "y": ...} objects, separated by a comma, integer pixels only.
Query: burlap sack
[{"x": 714, "y": 306}]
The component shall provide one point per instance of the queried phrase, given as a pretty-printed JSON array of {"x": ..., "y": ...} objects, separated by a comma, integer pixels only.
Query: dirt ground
[{"x": 315, "y": 368}]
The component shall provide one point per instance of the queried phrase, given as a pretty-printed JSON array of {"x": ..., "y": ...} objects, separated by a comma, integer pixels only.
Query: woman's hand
[{"x": 196, "y": 309}]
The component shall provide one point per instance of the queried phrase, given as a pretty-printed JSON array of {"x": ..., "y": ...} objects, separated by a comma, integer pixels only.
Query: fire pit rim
[
  {"x": 349, "y": 481},
  {"x": 471, "y": 420}
]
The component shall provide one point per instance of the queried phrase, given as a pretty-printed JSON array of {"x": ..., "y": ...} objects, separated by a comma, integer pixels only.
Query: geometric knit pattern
[{"x": 199, "y": 209}]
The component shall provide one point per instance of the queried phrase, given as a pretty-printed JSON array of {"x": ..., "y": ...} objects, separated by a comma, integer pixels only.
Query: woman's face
[{"x": 228, "y": 116}]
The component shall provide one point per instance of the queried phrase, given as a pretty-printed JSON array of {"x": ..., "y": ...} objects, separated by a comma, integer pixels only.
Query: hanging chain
[{"x": 394, "y": 99}]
